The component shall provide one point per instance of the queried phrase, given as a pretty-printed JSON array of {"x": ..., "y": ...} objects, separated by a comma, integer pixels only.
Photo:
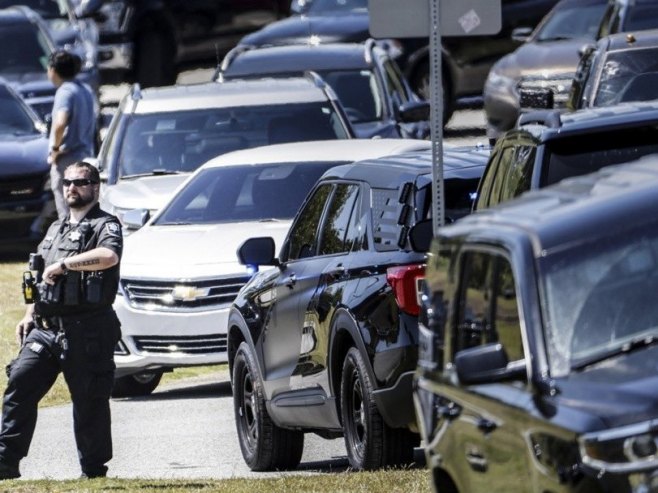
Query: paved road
[{"x": 187, "y": 430}]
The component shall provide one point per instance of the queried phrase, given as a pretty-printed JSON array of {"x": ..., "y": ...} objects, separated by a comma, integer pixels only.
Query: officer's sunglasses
[{"x": 78, "y": 182}]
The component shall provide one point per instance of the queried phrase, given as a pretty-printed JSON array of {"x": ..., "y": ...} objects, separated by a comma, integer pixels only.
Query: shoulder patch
[{"x": 113, "y": 229}]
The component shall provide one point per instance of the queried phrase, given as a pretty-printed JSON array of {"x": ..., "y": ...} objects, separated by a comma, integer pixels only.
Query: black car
[
  {"x": 369, "y": 84},
  {"x": 619, "y": 68},
  {"x": 147, "y": 41},
  {"x": 537, "y": 354},
  {"x": 466, "y": 60},
  {"x": 326, "y": 341},
  {"x": 26, "y": 202},
  {"x": 548, "y": 146}
]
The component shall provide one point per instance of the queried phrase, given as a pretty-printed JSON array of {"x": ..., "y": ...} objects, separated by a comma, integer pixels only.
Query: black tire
[
  {"x": 138, "y": 384},
  {"x": 370, "y": 442},
  {"x": 264, "y": 446},
  {"x": 154, "y": 63}
]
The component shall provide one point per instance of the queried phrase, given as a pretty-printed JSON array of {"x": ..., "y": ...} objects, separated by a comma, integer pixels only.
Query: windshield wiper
[
  {"x": 628, "y": 347},
  {"x": 155, "y": 172}
]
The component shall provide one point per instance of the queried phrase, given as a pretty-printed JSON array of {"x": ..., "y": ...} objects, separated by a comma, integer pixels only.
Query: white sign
[{"x": 411, "y": 18}]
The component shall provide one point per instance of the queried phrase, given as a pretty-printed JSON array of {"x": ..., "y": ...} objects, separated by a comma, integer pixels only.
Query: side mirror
[
  {"x": 521, "y": 34},
  {"x": 536, "y": 99},
  {"x": 135, "y": 218},
  {"x": 258, "y": 251},
  {"x": 487, "y": 364},
  {"x": 414, "y": 111},
  {"x": 586, "y": 49},
  {"x": 420, "y": 236}
]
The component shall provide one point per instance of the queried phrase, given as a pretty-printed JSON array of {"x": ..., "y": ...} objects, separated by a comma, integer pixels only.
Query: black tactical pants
[{"x": 88, "y": 368}]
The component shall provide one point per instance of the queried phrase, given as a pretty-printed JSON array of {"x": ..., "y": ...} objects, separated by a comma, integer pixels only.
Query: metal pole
[{"x": 436, "y": 115}]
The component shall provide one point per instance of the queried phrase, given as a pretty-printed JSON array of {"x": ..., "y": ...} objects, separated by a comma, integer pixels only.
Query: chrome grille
[
  {"x": 559, "y": 84},
  {"x": 184, "y": 295},
  {"x": 212, "y": 343}
]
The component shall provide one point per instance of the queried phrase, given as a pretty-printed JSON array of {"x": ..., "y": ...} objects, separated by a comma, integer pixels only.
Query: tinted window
[
  {"x": 385, "y": 214},
  {"x": 489, "y": 311},
  {"x": 518, "y": 172},
  {"x": 583, "y": 154},
  {"x": 395, "y": 86},
  {"x": 14, "y": 118},
  {"x": 183, "y": 140},
  {"x": 22, "y": 49},
  {"x": 318, "y": 6},
  {"x": 358, "y": 92},
  {"x": 641, "y": 17},
  {"x": 243, "y": 193},
  {"x": 302, "y": 241},
  {"x": 48, "y": 9},
  {"x": 337, "y": 221}
]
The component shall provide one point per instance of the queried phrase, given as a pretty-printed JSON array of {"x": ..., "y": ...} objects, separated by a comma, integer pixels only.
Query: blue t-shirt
[{"x": 77, "y": 100}]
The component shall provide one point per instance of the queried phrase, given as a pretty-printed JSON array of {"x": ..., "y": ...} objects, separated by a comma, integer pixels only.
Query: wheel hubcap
[{"x": 248, "y": 411}]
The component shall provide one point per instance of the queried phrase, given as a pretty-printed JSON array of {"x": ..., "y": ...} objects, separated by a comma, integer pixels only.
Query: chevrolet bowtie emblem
[{"x": 189, "y": 293}]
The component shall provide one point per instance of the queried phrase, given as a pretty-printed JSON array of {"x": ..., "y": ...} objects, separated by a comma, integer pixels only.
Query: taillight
[{"x": 405, "y": 281}]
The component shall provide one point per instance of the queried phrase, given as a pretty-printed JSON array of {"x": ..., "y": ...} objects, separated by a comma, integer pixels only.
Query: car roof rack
[{"x": 549, "y": 118}]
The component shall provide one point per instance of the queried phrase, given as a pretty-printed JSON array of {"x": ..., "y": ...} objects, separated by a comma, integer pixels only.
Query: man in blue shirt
[{"x": 73, "y": 122}]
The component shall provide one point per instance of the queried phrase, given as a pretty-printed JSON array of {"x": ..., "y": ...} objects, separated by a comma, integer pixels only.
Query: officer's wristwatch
[{"x": 62, "y": 265}]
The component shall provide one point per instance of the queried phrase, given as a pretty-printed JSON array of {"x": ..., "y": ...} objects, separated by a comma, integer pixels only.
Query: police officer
[{"x": 71, "y": 328}]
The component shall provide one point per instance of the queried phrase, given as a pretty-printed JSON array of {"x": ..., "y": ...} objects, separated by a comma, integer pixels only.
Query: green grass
[{"x": 389, "y": 481}]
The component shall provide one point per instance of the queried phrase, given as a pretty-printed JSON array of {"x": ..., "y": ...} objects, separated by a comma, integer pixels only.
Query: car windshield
[
  {"x": 243, "y": 193},
  {"x": 320, "y": 6},
  {"x": 23, "y": 48},
  {"x": 600, "y": 297},
  {"x": 181, "y": 141},
  {"x": 48, "y": 9},
  {"x": 14, "y": 119},
  {"x": 628, "y": 75},
  {"x": 641, "y": 17},
  {"x": 585, "y": 153},
  {"x": 575, "y": 21}
]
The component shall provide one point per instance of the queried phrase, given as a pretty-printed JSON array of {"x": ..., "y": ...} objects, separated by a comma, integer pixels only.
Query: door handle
[
  {"x": 337, "y": 273},
  {"x": 291, "y": 281},
  {"x": 486, "y": 425}
]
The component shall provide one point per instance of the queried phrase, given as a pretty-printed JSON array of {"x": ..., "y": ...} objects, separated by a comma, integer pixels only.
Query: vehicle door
[
  {"x": 338, "y": 235},
  {"x": 282, "y": 337},
  {"x": 484, "y": 441}
]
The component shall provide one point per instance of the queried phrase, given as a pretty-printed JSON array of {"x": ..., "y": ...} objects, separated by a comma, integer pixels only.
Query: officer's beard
[{"x": 79, "y": 201}]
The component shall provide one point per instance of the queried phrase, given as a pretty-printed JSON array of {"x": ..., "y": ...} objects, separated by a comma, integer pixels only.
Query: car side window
[
  {"x": 302, "y": 241},
  {"x": 339, "y": 213},
  {"x": 488, "y": 311},
  {"x": 518, "y": 175},
  {"x": 498, "y": 185},
  {"x": 394, "y": 83}
]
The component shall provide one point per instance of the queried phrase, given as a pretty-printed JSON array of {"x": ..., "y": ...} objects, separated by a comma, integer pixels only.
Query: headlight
[
  {"x": 628, "y": 449},
  {"x": 500, "y": 81}
]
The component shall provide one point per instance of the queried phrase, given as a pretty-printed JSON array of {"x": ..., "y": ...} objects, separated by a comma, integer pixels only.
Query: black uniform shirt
[{"x": 63, "y": 239}]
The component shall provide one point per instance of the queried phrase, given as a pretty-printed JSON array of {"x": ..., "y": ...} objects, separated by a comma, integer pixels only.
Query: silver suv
[{"x": 159, "y": 136}]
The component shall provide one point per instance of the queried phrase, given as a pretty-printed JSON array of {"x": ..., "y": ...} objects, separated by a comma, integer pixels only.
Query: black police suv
[
  {"x": 547, "y": 146},
  {"x": 377, "y": 98},
  {"x": 326, "y": 340},
  {"x": 26, "y": 201},
  {"x": 538, "y": 330}
]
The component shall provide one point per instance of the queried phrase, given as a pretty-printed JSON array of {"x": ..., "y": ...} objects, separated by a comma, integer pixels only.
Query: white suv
[
  {"x": 159, "y": 136},
  {"x": 180, "y": 271}
]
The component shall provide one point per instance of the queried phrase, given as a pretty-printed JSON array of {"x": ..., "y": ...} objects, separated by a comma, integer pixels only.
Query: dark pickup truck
[
  {"x": 146, "y": 41},
  {"x": 537, "y": 341}
]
